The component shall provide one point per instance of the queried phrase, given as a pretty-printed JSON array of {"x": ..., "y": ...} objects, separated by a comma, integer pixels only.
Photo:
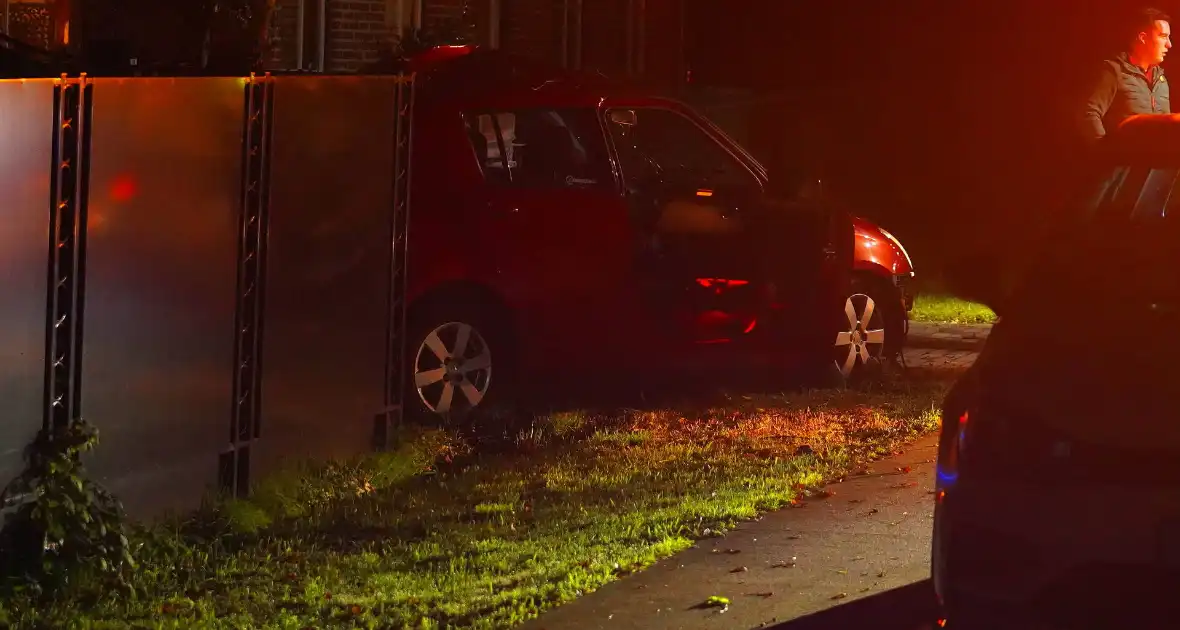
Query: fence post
[
  {"x": 253, "y": 222},
  {"x": 390, "y": 418},
  {"x": 72, "y": 114}
]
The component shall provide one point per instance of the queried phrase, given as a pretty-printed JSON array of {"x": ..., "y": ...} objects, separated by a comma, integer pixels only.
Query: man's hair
[{"x": 1144, "y": 20}]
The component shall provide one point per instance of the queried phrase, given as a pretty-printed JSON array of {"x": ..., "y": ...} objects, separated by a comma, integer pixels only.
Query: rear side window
[{"x": 541, "y": 148}]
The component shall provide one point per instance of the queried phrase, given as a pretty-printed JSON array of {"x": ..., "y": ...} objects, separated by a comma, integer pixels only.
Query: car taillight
[{"x": 950, "y": 446}]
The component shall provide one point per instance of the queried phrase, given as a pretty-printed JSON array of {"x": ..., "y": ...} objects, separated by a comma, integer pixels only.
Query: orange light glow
[
  {"x": 704, "y": 193},
  {"x": 940, "y": 496}
]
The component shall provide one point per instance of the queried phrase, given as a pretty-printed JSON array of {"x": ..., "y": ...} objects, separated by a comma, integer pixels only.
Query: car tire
[
  {"x": 864, "y": 344},
  {"x": 461, "y": 387}
]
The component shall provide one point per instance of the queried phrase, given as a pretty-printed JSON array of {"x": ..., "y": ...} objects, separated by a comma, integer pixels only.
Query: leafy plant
[{"x": 61, "y": 522}]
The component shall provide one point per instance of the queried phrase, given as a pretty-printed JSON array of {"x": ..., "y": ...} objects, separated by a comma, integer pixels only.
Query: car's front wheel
[
  {"x": 871, "y": 327},
  {"x": 458, "y": 363}
]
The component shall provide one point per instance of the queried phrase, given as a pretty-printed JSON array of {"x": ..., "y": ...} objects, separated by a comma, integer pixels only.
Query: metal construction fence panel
[{"x": 209, "y": 270}]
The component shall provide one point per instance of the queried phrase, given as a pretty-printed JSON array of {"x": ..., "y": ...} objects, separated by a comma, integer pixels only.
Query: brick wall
[
  {"x": 436, "y": 11},
  {"x": 357, "y": 29},
  {"x": 283, "y": 20},
  {"x": 357, "y": 32}
]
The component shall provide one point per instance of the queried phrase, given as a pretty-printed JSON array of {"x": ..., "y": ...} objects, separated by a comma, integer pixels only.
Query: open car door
[{"x": 722, "y": 259}]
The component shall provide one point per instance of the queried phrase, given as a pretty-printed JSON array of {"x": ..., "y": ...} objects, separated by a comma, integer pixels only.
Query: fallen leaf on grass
[
  {"x": 839, "y": 596},
  {"x": 874, "y": 511},
  {"x": 842, "y": 572},
  {"x": 763, "y": 595},
  {"x": 905, "y": 470},
  {"x": 784, "y": 565},
  {"x": 739, "y": 570}
]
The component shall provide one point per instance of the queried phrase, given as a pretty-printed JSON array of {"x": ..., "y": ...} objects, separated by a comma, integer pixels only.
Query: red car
[{"x": 566, "y": 227}]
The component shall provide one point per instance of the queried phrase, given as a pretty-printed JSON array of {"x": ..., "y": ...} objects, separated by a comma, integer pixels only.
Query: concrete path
[
  {"x": 855, "y": 555},
  {"x": 947, "y": 336}
]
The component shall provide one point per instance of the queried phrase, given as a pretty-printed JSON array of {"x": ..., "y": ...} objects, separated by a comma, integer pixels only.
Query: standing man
[{"x": 1133, "y": 82}]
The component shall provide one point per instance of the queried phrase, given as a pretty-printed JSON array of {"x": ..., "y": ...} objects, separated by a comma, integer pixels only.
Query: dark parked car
[{"x": 1058, "y": 490}]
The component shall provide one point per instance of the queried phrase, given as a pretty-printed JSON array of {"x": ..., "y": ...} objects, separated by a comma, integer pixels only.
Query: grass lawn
[
  {"x": 437, "y": 535},
  {"x": 950, "y": 310}
]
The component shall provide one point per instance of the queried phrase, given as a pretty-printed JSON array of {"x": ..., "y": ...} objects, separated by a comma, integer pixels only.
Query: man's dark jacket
[{"x": 1122, "y": 91}]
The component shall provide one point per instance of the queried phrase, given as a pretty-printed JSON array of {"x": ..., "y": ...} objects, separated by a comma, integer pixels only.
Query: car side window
[
  {"x": 541, "y": 148},
  {"x": 661, "y": 145}
]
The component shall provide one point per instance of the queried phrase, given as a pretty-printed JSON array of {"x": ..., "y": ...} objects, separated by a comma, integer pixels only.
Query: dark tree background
[{"x": 951, "y": 123}]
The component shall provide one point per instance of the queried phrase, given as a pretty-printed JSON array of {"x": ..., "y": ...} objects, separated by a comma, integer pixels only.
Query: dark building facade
[
  {"x": 642, "y": 39},
  {"x": 637, "y": 38}
]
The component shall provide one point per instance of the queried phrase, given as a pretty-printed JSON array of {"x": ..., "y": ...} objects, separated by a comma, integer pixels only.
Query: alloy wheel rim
[
  {"x": 863, "y": 338},
  {"x": 452, "y": 368}
]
